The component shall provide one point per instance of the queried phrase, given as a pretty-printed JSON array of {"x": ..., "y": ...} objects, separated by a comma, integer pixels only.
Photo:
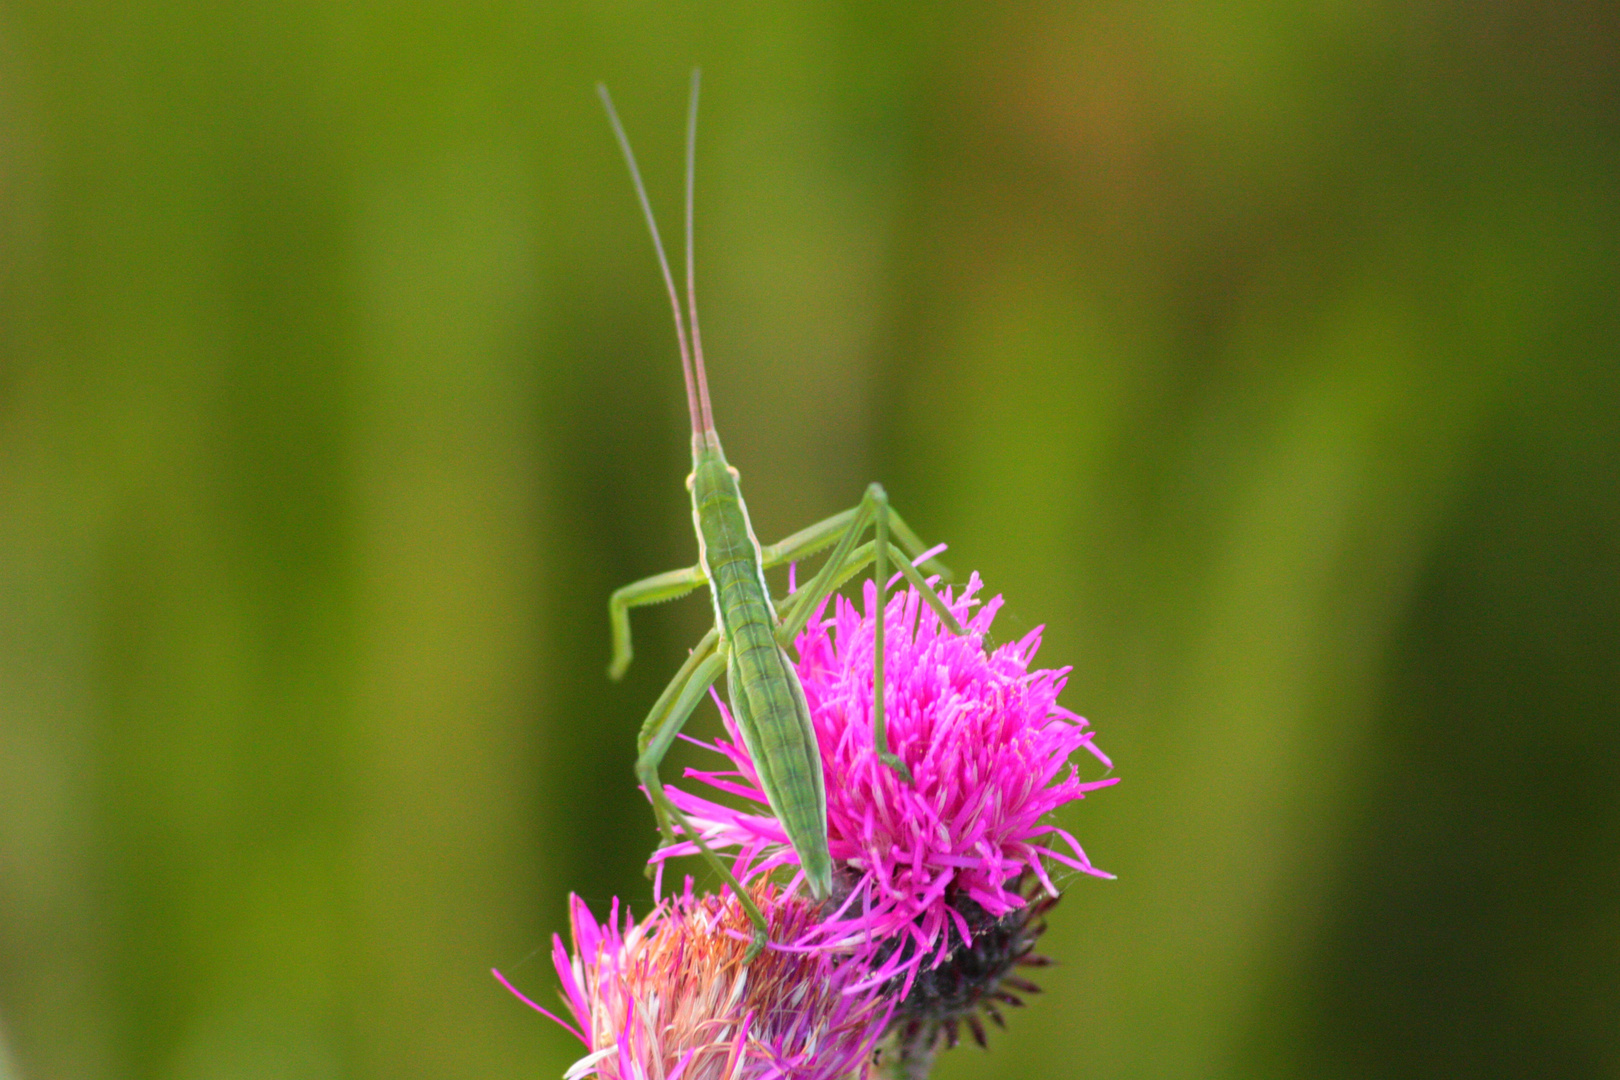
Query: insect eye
[{"x": 691, "y": 478}]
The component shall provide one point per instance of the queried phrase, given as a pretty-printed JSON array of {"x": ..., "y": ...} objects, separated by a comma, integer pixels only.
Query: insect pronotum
[{"x": 751, "y": 631}]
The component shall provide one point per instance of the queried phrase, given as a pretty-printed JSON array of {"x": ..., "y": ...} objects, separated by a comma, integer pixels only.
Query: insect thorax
[{"x": 728, "y": 550}]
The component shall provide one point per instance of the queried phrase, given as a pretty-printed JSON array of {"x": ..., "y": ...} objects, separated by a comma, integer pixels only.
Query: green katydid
[{"x": 751, "y": 630}]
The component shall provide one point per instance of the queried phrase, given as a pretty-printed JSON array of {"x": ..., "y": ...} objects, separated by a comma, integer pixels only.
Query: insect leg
[
  {"x": 883, "y": 518},
  {"x": 807, "y": 542},
  {"x": 914, "y": 546},
  {"x": 659, "y": 716},
  {"x": 653, "y": 590},
  {"x": 670, "y": 713},
  {"x": 880, "y": 571},
  {"x": 930, "y": 597},
  {"x": 700, "y": 653},
  {"x": 843, "y": 563},
  {"x": 828, "y": 577},
  {"x": 795, "y": 609}
]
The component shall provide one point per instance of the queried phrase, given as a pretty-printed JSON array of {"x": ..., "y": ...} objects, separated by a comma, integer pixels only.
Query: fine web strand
[
  {"x": 663, "y": 262},
  {"x": 691, "y": 295}
]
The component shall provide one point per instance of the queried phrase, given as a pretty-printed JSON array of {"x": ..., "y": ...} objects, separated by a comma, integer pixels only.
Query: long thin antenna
[
  {"x": 691, "y": 295},
  {"x": 698, "y": 423}
]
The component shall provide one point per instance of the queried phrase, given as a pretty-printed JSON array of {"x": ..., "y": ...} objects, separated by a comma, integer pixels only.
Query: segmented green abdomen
[{"x": 765, "y": 696}]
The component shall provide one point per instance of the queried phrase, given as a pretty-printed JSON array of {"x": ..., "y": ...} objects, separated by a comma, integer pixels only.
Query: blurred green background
[{"x": 1269, "y": 353}]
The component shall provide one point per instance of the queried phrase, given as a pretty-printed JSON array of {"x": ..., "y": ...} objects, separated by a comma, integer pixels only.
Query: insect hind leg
[
  {"x": 847, "y": 559},
  {"x": 668, "y": 716}
]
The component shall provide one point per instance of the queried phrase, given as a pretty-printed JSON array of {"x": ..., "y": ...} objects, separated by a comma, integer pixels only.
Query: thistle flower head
[
  {"x": 670, "y": 998},
  {"x": 988, "y": 747}
]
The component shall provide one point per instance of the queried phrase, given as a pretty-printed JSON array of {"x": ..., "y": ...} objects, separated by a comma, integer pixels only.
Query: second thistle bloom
[
  {"x": 988, "y": 747},
  {"x": 670, "y": 998}
]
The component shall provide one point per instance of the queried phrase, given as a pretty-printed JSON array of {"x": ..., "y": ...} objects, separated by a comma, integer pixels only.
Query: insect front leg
[
  {"x": 653, "y": 590},
  {"x": 674, "y": 706}
]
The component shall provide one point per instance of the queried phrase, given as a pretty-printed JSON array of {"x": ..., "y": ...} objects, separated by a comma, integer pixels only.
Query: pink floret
[{"x": 986, "y": 742}]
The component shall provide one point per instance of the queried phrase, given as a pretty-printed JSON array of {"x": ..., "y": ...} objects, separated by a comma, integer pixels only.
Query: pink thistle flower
[
  {"x": 669, "y": 998},
  {"x": 987, "y": 744}
]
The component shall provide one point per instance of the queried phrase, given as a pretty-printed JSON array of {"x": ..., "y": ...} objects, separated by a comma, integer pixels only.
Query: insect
[{"x": 751, "y": 631}]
